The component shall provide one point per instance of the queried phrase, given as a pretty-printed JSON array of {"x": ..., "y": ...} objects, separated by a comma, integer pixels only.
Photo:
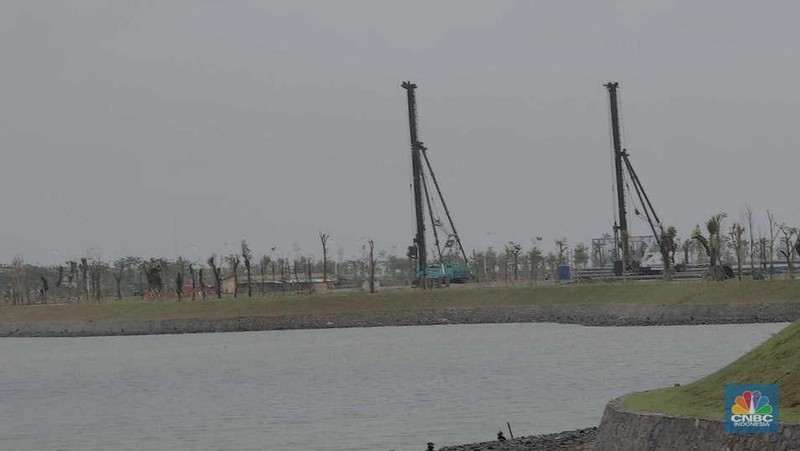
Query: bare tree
[
  {"x": 202, "y": 283},
  {"x": 535, "y": 263},
  {"x": 323, "y": 237},
  {"x": 371, "y": 265},
  {"x": 44, "y": 289},
  {"x": 20, "y": 278},
  {"x": 262, "y": 266},
  {"x": 179, "y": 284},
  {"x": 512, "y": 252},
  {"x": 297, "y": 261},
  {"x": 154, "y": 273},
  {"x": 217, "y": 275},
  {"x": 687, "y": 247},
  {"x": 296, "y": 277},
  {"x": 763, "y": 246},
  {"x": 180, "y": 267},
  {"x": 562, "y": 246},
  {"x": 667, "y": 248},
  {"x": 712, "y": 245},
  {"x": 142, "y": 273},
  {"x": 59, "y": 278},
  {"x": 773, "y": 234},
  {"x": 737, "y": 241},
  {"x": 580, "y": 255},
  {"x": 117, "y": 272},
  {"x": 95, "y": 275},
  {"x": 310, "y": 274},
  {"x": 787, "y": 247},
  {"x": 73, "y": 273},
  {"x": 247, "y": 256},
  {"x": 748, "y": 212},
  {"x": 474, "y": 264},
  {"x": 194, "y": 280},
  {"x": 233, "y": 264},
  {"x": 84, "y": 267}
]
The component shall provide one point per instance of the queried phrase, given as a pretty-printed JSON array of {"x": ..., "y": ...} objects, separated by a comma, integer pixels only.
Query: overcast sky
[{"x": 150, "y": 127}]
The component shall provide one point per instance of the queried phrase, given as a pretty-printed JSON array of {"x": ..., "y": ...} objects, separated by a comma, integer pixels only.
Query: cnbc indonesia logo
[{"x": 750, "y": 409}]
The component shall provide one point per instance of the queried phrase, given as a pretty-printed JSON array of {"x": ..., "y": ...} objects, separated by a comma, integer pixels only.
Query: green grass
[
  {"x": 777, "y": 361},
  {"x": 406, "y": 299}
]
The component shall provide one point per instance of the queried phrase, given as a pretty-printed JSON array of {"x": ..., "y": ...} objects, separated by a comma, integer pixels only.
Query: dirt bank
[
  {"x": 584, "y": 314},
  {"x": 578, "y": 440}
]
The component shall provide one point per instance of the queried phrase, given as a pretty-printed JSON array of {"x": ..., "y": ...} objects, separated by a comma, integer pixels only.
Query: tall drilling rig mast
[
  {"x": 621, "y": 227},
  {"x": 416, "y": 167}
]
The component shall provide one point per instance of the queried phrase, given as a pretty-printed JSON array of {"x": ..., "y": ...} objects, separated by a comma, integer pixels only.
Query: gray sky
[{"x": 124, "y": 122}]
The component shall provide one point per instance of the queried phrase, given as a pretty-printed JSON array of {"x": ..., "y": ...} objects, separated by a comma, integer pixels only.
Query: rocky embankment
[
  {"x": 578, "y": 440},
  {"x": 622, "y": 430},
  {"x": 584, "y": 314}
]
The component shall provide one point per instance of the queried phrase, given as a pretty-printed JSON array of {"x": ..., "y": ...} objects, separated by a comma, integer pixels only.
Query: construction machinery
[
  {"x": 449, "y": 263},
  {"x": 623, "y": 171}
]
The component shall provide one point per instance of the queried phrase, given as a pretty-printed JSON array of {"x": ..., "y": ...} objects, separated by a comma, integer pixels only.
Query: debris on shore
[{"x": 577, "y": 440}]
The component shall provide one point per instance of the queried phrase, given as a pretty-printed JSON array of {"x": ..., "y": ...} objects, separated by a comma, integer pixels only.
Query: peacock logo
[
  {"x": 750, "y": 403},
  {"x": 752, "y": 408}
]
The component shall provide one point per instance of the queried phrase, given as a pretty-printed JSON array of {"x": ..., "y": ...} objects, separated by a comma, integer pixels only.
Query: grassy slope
[
  {"x": 777, "y": 361},
  {"x": 641, "y": 292}
]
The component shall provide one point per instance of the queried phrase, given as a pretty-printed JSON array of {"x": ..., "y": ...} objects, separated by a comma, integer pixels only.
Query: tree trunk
[
  {"x": 323, "y": 237},
  {"x": 117, "y": 280},
  {"x": 324, "y": 263},
  {"x": 665, "y": 259},
  {"x": 202, "y": 284},
  {"x": 179, "y": 284},
  {"x": 194, "y": 281},
  {"x": 261, "y": 285},
  {"x": 249, "y": 283},
  {"x": 739, "y": 264},
  {"x": 141, "y": 284},
  {"x": 296, "y": 279},
  {"x": 749, "y": 214},
  {"x": 44, "y": 290},
  {"x": 235, "y": 285},
  {"x": 772, "y": 231},
  {"x": 310, "y": 269},
  {"x": 371, "y": 266}
]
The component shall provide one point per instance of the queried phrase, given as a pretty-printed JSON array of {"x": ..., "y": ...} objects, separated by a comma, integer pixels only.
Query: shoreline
[
  {"x": 605, "y": 315},
  {"x": 575, "y": 440}
]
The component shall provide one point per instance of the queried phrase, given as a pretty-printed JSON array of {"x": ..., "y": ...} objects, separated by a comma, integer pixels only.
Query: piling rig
[
  {"x": 450, "y": 262},
  {"x": 623, "y": 167}
]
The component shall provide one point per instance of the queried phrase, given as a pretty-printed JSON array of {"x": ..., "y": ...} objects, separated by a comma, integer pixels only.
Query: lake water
[{"x": 340, "y": 389}]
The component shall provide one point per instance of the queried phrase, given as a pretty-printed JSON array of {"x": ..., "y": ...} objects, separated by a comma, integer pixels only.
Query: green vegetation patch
[
  {"x": 407, "y": 299},
  {"x": 777, "y": 361}
]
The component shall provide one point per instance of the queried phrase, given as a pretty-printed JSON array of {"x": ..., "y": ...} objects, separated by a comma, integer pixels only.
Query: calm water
[{"x": 345, "y": 389}]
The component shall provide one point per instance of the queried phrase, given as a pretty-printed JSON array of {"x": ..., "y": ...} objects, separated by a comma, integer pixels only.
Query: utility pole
[
  {"x": 622, "y": 228},
  {"x": 416, "y": 165}
]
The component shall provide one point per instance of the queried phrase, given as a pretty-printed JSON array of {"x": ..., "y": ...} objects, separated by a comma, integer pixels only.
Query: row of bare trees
[
  {"x": 84, "y": 279},
  {"x": 26, "y": 284},
  {"x": 720, "y": 246},
  {"x": 724, "y": 247},
  {"x": 515, "y": 263},
  {"x": 741, "y": 241}
]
